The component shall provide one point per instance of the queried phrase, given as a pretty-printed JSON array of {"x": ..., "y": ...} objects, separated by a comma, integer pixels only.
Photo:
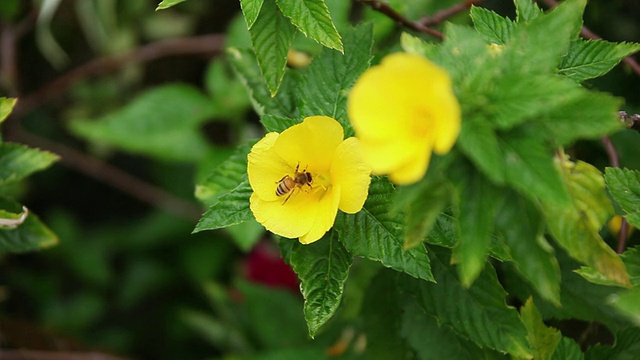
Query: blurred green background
[{"x": 128, "y": 277}]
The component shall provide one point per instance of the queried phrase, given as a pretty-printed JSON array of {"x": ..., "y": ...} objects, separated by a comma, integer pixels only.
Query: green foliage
[
  {"x": 312, "y": 18},
  {"x": 588, "y": 59},
  {"x": 6, "y": 106},
  {"x": 624, "y": 185},
  {"x": 543, "y": 340},
  {"x": 165, "y": 4},
  {"x": 18, "y": 161}
]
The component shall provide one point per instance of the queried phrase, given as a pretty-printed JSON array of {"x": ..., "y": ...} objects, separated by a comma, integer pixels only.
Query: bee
[{"x": 287, "y": 184}]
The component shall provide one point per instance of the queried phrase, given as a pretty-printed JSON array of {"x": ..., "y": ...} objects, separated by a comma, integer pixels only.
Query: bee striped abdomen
[{"x": 285, "y": 185}]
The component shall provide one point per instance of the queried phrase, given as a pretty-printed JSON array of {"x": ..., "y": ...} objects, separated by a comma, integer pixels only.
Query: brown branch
[
  {"x": 586, "y": 33},
  {"x": 442, "y": 15},
  {"x": 387, "y": 10},
  {"x": 206, "y": 44},
  {"x": 115, "y": 177}
]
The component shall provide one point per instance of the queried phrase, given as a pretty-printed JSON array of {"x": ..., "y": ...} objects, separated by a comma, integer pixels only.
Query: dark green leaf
[
  {"x": 624, "y": 186},
  {"x": 29, "y": 235},
  {"x": 324, "y": 87},
  {"x": 628, "y": 303},
  {"x": 423, "y": 211},
  {"x": 522, "y": 228},
  {"x": 576, "y": 227},
  {"x": 567, "y": 349},
  {"x": 382, "y": 315},
  {"x": 479, "y": 143},
  {"x": 477, "y": 203},
  {"x": 250, "y": 10},
  {"x": 626, "y": 347},
  {"x": 322, "y": 267},
  {"x": 18, "y": 161},
  {"x": 530, "y": 169},
  {"x": 495, "y": 28},
  {"x": 312, "y": 18},
  {"x": 631, "y": 260},
  {"x": 271, "y": 36},
  {"x": 277, "y": 123},
  {"x": 478, "y": 313},
  {"x": 163, "y": 122},
  {"x": 231, "y": 208},
  {"x": 375, "y": 233},
  {"x": 588, "y": 59}
]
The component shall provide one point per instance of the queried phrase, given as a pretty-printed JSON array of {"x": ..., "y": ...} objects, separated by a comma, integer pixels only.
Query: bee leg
[{"x": 288, "y": 196}]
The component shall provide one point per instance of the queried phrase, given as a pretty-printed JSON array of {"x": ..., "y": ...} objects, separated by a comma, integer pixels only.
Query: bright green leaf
[
  {"x": 415, "y": 45},
  {"x": 567, "y": 349},
  {"x": 323, "y": 268},
  {"x": 324, "y": 87},
  {"x": 588, "y": 59},
  {"x": 628, "y": 303},
  {"x": 477, "y": 202},
  {"x": 495, "y": 28},
  {"x": 231, "y": 208},
  {"x": 165, "y": 4},
  {"x": 245, "y": 65},
  {"x": 522, "y": 229},
  {"x": 526, "y": 11},
  {"x": 18, "y": 161},
  {"x": 576, "y": 227},
  {"x": 624, "y": 186},
  {"x": 543, "y": 339},
  {"x": 31, "y": 234},
  {"x": 271, "y": 36},
  {"x": 312, "y": 18},
  {"x": 478, "y": 313},
  {"x": 224, "y": 177},
  {"x": 250, "y": 10},
  {"x": 479, "y": 143},
  {"x": 163, "y": 122},
  {"x": 375, "y": 233},
  {"x": 6, "y": 106},
  {"x": 530, "y": 169},
  {"x": 631, "y": 259}
]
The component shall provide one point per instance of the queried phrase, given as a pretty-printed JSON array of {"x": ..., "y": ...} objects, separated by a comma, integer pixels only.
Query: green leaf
[
  {"x": 530, "y": 169},
  {"x": 277, "y": 123},
  {"x": 479, "y": 143},
  {"x": 495, "y": 28},
  {"x": 522, "y": 229},
  {"x": 165, "y": 4},
  {"x": 628, "y": 303},
  {"x": 375, "y": 233},
  {"x": 312, "y": 18},
  {"x": 421, "y": 213},
  {"x": 231, "y": 208},
  {"x": 478, "y": 313},
  {"x": 250, "y": 10},
  {"x": 325, "y": 85},
  {"x": 567, "y": 349},
  {"x": 588, "y": 59},
  {"x": 593, "y": 276},
  {"x": 415, "y": 45},
  {"x": 624, "y": 186},
  {"x": 31, "y": 234},
  {"x": 526, "y": 11},
  {"x": 271, "y": 36},
  {"x": 227, "y": 93},
  {"x": 524, "y": 52},
  {"x": 626, "y": 347},
  {"x": 477, "y": 203},
  {"x": 631, "y": 260},
  {"x": 246, "y": 68},
  {"x": 576, "y": 227},
  {"x": 543, "y": 339},
  {"x": 224, "y": 177},
  {"x": 434, "y": 342},
  {"x": 163, "y": 122},
  {"x": 382, "y": 315},
  {"x": 6, "y": 106},
  {"x": 273, "y": 316},
  {"x": 18, "y": 161},
  {"x": 588, "y": 116},
  {"x": 323, "y": 268}
]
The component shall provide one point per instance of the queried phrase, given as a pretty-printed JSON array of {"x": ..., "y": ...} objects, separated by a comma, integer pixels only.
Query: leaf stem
[{"x": 387, "y": 10}]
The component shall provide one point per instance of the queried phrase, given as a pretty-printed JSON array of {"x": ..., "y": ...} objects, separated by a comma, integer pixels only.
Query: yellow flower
[
  {"x": 402, "y": 110},
  {"x": 301, "y": 177}
]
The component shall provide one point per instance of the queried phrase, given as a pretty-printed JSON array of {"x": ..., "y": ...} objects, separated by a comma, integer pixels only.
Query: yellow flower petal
[
  {"x": 310, "y": 143},
  {"x": 402, "y": 110},
  {"x": 326, "y": 211},
  {"x": 350, "y": 173},
  {"x": 265, "y": 168}
]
